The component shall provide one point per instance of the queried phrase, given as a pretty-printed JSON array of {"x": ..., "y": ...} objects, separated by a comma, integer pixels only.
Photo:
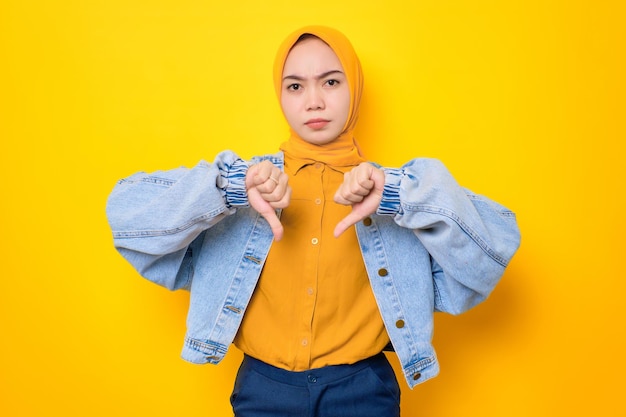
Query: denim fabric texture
[{"x": 431, "y": 246}]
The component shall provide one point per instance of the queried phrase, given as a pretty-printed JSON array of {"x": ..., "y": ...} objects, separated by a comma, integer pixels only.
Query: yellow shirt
[{"x": 313, "y": 305}]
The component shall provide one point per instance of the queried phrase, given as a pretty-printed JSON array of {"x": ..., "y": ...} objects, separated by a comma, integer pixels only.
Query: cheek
[
  {"x": 345, "y": 105},
  {"x": 287, "y": 106}
]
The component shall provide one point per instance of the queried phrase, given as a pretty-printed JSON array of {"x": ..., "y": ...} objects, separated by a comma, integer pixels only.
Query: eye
[
  {"x": 294, "y": 87},
  {"x": 332, "y": 83}
]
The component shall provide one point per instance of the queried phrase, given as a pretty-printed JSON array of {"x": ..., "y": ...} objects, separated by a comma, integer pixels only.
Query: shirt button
[
  {"x": 416, "y": 376},
  {"x": 312, "y": 379},
  {"x": 318, "y": 165},
  {"x": 314, "y": 241},
  {"x": 400, "y": 324},
  {"x": 318, "y": 201},
  {"x": 305, "y": 342},
  {"x": 382, "y": 272},
  {"x": 367, "y": 221},
  {"x": 309, "y": 291}
]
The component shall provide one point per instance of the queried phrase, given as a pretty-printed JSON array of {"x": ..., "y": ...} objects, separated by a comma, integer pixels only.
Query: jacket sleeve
[
  {"x": 470, "y": 238},
  {"x": 156, "y": 218}
]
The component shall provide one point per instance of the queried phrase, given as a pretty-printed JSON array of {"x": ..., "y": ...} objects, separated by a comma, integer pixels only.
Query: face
[{"x": 315, "y": 96}]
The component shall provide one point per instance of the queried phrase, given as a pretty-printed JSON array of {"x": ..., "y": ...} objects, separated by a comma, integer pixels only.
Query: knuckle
[{"x": 356, "y": 188}]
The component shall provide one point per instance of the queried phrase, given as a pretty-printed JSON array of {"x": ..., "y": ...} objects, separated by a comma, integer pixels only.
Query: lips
[{"x": 317, "y": 124}]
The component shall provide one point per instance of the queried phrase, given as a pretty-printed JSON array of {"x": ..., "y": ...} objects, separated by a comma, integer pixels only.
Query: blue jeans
[{"x": 365, "y": 389}]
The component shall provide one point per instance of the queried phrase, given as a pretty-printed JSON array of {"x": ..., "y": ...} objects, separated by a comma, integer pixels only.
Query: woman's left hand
[{"x": 362, "y": 188}]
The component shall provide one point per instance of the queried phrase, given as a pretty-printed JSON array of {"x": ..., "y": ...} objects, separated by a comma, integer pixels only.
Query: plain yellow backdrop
[{"x": 522, "y": 100}]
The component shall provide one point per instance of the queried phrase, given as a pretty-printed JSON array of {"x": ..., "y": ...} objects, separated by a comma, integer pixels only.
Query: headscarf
[{"x": 344, "y": 150}]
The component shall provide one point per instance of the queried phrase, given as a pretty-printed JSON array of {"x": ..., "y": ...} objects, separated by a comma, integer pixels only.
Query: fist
[
  {"x": 268, "y": 189},
  {"x": 362, "y": 188}
]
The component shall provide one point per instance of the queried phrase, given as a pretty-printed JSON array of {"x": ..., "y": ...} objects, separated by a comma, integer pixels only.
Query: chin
[
  {"x": 320, "y": 142},
  {"x": 317, "y": 140}
]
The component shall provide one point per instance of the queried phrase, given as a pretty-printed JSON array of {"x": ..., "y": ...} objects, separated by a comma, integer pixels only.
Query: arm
[
  {"x": 470, "y": 238},
  {"x": 155, "y": 218}
]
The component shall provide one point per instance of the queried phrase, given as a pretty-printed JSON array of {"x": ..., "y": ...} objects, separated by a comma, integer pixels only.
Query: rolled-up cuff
[
  {"x": 390, "y": 203},
  {"x": 233, "y": 177}
]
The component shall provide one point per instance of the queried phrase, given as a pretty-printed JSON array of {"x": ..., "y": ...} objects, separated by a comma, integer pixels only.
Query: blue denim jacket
[{"x": 431, "y": 246}]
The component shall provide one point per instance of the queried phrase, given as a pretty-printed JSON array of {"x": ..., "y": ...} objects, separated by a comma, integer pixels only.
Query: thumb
[
  {"x": 274, "y": 222},
  {"x": 267, "y": 211},
  {"x": 345, "y": 223}
]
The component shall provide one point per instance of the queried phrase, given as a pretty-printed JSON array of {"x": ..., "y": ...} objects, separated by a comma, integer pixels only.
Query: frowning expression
[{"x": 315, "y": 96}]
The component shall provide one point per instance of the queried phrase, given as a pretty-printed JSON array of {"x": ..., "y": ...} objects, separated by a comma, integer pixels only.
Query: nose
[{"x": 314, "y": 99}]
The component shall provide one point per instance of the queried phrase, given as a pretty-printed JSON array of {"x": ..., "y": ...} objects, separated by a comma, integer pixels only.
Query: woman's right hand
[{"x": 268, "y": 189}]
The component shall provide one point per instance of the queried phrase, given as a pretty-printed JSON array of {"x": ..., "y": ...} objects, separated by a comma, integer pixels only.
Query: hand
[
  {"x": 362, "y": 189},
  {"x": 268, "y": 190}
]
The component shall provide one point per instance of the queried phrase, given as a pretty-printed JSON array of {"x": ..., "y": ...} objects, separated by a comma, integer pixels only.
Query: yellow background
[{"x": 523, "y": 101}]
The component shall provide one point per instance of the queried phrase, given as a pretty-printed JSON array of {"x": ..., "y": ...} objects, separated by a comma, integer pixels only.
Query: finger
[
  {"x": 283, "y": 202},
  {"x": 360, "y": 178},
  {"x": 275, "y": 224},
  {"x": 362, "y": 187},
  {"x": 251, "y": 176},
  {"x": 275, "y": 190},
  {"x": 269, "y": 172},
  {"x": 272, "y": 182},
  {"x": 347, "y": 222},
  {"x": 260, "y": 173},
  {"x": 350, "y": 200},
  {"x": 266, "y": 211},
  {"x": 355, "y": 187},
  {"x": 347, "y": 198}
]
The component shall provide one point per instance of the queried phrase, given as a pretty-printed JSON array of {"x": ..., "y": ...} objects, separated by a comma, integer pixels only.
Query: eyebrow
[{"x": 317, "y": 77}]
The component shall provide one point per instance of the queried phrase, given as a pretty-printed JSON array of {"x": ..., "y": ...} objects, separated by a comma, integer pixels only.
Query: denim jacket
[{"x": 431, "y": 246}]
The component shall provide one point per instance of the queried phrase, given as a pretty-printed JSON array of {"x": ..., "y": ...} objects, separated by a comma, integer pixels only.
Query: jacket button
[
  {"x": 416, "y": 376},
  {"x": 382, "y": 272},
  {"x": 400, "y": 324},
  {"x": 367, "y": 221}
]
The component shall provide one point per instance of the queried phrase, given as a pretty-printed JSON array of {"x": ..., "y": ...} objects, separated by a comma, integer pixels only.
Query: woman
[{"x": 310, "y": 300}]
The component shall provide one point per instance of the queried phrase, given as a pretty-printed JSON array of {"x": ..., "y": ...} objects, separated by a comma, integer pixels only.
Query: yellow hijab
[{"x": 344, "y": 150}]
